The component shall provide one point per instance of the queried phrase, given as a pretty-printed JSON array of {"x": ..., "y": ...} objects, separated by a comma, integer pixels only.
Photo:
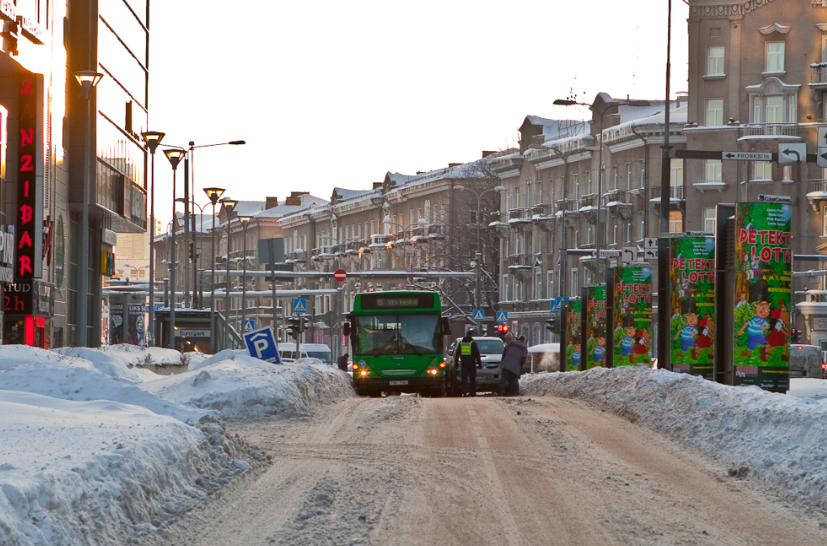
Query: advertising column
[
  {"x": 761, "y": 321},
  {"x": 632, "y": 314},
  {"x": 595, "y": 325},
  {"x": 692, "y": 326},
  {"x": 573, "y": 320}
]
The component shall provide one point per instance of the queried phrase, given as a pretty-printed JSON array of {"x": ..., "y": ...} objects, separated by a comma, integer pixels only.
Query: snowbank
[
  {"x": 95, "y": 452},
  {"x": 779, "y": 438}
]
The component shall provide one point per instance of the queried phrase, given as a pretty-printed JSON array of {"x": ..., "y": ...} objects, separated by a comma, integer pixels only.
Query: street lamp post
[
  {"x": 389, "y": 222},
  {"x": 478, "y": 253},
  {"x": 214, "y": 194},
  {"x": 87, "y": 80},
  {"x": 608, "y": 105},
  {"x": 175, "y": 155},
  {"x": 244, "y": 221},
  {"x": 194, "y": 252},
  {"x": 229, "y": 205},
  {"x": 152, "y": 139}
]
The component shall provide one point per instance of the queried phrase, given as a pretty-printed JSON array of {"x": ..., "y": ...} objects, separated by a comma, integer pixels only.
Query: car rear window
[{"x": 490, "y": 346}]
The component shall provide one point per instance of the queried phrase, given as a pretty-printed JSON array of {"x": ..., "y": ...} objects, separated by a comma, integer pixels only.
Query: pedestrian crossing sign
[
  {"x": 299, "y": 305},
  {"x": 479, "y": 314},
  {"x": 502, "y": 316}
]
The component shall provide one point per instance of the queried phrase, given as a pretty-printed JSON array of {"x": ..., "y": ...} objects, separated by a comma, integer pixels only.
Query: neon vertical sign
[{"x": 28, "y": 231}]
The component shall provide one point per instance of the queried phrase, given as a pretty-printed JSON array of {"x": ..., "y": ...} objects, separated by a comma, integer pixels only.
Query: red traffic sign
[{"x": 340, "y": 275}]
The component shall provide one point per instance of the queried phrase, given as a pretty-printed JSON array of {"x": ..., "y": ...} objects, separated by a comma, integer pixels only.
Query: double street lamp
[
  {"x": 214, "y": 194},
  {"x": 477, "y": 262}
]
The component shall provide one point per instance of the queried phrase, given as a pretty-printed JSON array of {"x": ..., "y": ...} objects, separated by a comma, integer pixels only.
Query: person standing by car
[
  {"x": 514, "y": 355},
  {"x": 469, "y": 359}
]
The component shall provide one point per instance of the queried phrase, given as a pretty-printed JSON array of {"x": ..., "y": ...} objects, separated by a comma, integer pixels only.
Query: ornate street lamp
[
  {"x": 214, "y": 194},
  {"x": 175, "y": 155},
  {"x": 152, "y": 139},
  {"x": 229, "y": 205}
]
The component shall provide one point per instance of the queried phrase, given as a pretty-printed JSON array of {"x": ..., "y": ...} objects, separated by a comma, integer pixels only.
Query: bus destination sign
[{"x": 407, "y": 301}]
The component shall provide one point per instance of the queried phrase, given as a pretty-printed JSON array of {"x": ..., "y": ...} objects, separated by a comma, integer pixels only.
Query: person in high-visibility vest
[{"x": 469, "y": 358}]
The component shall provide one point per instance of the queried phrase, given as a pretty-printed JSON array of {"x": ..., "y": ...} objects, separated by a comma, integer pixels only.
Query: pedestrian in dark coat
[
  {"x": 469, "y": 359},
  {"x": 514, "y": 355},
  {"x": 342, "y": 362}
]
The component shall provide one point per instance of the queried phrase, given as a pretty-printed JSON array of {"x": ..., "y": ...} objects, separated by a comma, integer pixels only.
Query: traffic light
[
  {"x": 551, "y": 324},
  {"x": 795, "y": 335},
  {"x": 502, "y": 329},
  {"x": 293, "y": 327},
  {"x": 305, "y": 322}
]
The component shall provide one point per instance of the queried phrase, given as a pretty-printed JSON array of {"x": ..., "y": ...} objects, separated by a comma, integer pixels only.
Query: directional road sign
[
  {"x": 262, "y": 345},
  {"x": 299, "y": 305},
  {"x": 792, "y": 152},
  {"x": 249, "y": 325},
  {"x": 502, "y": 316},
  {"x": 821, "y": 153},
  {"x": 479, "y": 315},
  {"x": 747, "y": 156},
  {"x": 628, "y": 254},
  {"x": 340, "y": 275}
]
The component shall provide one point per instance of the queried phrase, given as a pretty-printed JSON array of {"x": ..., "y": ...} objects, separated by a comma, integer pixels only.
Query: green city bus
[{"x": 397, "y": 341}]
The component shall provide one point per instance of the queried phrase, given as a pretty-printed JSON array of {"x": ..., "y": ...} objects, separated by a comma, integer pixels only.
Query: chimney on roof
[
  {"x": 295, "y": 198},
  {"x": 420, "y": 172},
  {"x": 452, "y": 165},
  {"x": 271, "y": 202},
  {"x": 377, "y": 185},
  {"x": 486, "y": 153}
]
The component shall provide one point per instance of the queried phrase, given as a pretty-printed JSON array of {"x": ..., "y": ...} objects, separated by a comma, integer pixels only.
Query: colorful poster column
[
  {"x": 573, "y": 322},
  {"x": 692, "y": 327},
  {"x": 632, "y": 315},
  {"x": 761, "y": 323},
  {"x": 595, "y": 327}
]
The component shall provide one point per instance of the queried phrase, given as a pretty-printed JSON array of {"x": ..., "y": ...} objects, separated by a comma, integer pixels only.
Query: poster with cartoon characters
[
  {"x": 632, "y": 315},
  {"x": 573, "y": 321},
  {"x": 595, "y": 327},
  {"x": 763, "y": 262},
  {"x": 692, "y": 326}
]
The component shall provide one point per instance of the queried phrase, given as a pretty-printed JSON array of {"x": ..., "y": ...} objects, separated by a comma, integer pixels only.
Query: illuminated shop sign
[{"x": 28, "y": 236}]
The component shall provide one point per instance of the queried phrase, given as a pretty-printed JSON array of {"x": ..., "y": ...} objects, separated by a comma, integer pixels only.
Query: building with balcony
[
  {"x": 757, "y": 82},
  {"x": 420, "y": 225},
  {"x": 555, "y": 202}
]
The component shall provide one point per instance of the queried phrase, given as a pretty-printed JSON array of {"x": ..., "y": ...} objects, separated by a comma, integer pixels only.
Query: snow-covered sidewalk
[
  {"x": 781, "y": 439},
  {"x": 93, "y": 451}
]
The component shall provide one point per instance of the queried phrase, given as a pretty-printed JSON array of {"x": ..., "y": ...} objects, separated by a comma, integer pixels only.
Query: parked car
[
  {"x": 488, "y": 377},
  {"x": 306, "y": 350},
  {"x": 806, "y": 361}
]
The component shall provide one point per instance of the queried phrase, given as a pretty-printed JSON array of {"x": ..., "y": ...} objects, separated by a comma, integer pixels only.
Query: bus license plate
[{"x": 398, "y": 383}]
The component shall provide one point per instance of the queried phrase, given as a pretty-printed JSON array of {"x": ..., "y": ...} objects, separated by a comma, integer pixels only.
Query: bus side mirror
[
  {"x": 346, "y": 329},
  {"x": 446, "y": 326}
]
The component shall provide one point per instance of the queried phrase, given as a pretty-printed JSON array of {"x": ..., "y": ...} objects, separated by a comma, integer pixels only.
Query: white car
[{"x": 488, "y": 377}]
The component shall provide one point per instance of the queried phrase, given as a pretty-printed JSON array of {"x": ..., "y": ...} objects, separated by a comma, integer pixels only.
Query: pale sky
[{"x": 331, "y": 93}]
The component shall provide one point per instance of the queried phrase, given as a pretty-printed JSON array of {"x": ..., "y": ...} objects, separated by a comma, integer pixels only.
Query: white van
[
  {"x": 806, "y": 361},
  {"x": 306, "y": 350}
]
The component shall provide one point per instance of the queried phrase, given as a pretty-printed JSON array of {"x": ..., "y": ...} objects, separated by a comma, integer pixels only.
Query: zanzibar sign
[{"x": 28, "y": 231}]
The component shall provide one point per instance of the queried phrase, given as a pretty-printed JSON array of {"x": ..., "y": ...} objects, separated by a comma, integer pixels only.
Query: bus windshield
[{"x": 397, "y": 335}]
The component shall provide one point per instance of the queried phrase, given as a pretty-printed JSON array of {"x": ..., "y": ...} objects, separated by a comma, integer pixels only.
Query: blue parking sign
[{"x": 262, "y": 345}]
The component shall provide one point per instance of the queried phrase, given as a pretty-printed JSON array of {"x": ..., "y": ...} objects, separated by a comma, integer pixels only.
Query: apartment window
[
  {"x": 788, "y": 173},
  {"x": 774, "y": 108},
  {"x": 428, "y": 211},
  {"x": 614, "y": 177},
  {"x": 775, "y": 56},
  {"x": 549, "y": 284},
  {"x": 641, "y": 226},
  {"x": 675, "y": 221},
  {"x": 505, "y": 288},
  {"x": 709, "y": 220},
  {"x": 641, "y": 174},
  {"x": 538, "y": 284},
  {"x": 589, "y": 234},
  {"x": 824, "y": 222},
  {"x": 574, "y": 288},
  {"x": 539, "y": 192},
  {"x": 575, "y": 182},
  {"x": 551, "y": 190},
  {"x": 761, "y": 170},
  {"x": 589, "y": 182},
  {"x": 715, "y": 61},
  {"x": 614, "y": 230},
  {"x": 714, "y": 112},
  {"x": 628, "y": 226},
  {"x": 628, "y": 176},
  {"x": 527, "y": 193},
  {"x": 676, "y": 178},
  {"x": 713, "y": 170}
]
